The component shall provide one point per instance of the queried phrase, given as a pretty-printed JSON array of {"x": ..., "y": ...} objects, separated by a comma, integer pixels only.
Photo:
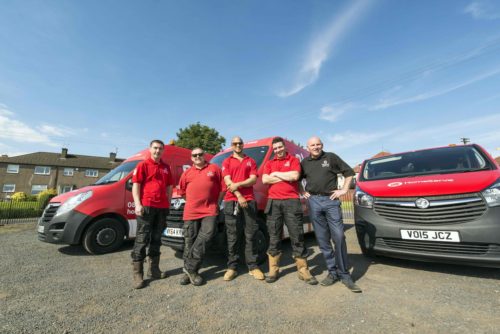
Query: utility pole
[{"x": 465, "y": 140}]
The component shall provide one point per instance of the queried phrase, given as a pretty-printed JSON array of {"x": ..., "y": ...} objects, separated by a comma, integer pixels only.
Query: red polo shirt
[
  {"x": 239, "y": 171},
  {"x": 201, "y": 187},
  {"x": 154, "y": 178},
  {"x": 283, "y": 189}
]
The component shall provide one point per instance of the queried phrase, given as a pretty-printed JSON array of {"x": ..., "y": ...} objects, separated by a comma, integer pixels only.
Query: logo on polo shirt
[
  {"x": 165, "y": 170},
  {"x": 325, "y": 164},
  {"x": 287, "y": 164},
  {"x": 135, "y": 171},
  {"x": 249, "y": 164},
  {"x": 210, "y": 174}
]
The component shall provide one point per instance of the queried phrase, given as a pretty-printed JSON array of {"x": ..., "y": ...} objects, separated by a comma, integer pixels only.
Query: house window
[
  {"x": 42, "y": 170},
  {"x": 38, "y": 188},
  {"x": 66, "y": 188},
  {"x": 68, "y": 171},
  {"x": 9, "y": 188},
  {"x": 91, "y": 173},
  {"x": 12, "y": 169}
]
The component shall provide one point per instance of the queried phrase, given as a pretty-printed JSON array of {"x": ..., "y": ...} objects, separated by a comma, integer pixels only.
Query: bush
[
  {"x": 45, "y": 196},
  {"x": 20, "y": 197}
]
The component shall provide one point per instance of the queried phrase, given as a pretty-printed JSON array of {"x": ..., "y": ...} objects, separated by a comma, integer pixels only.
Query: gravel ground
[{"x": 48, "y": 288}]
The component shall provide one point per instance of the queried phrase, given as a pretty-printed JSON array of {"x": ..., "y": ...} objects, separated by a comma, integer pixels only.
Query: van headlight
[
  {"x": 492, "y": 194},
  {"x": 73, "y": 202},
  {"x": 363, "y": 199}
]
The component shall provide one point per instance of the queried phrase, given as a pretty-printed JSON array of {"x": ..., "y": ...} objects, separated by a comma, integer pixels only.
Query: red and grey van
[
  {"x": 102, "y": 216},
  {"x": 260, "y": 150},
  {"x": 439, "y": 204}
]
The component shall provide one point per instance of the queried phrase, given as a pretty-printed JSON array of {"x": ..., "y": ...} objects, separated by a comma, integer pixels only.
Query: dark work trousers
[
  {"x": 246, "y": 220},
  {"x": 326, "y": 215},
  {"x": 150, "y": 226},
  {"x": 197, "y": 235},
  {"x": 289, "y": 212}
]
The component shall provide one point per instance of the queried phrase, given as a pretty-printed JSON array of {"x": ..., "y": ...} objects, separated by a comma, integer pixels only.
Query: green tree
[{"x": 197, "y": 135}]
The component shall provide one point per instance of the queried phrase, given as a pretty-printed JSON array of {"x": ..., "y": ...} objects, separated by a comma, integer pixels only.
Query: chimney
[
  {"x": 112, "y": 156},
  {"x": 64, "y": 153}
]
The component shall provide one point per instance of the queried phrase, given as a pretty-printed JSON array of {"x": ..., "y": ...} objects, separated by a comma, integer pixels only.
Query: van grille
[
  {"x": 50, "y": 212},
  {"x": 453, "y": 209},
  {"x": 435, "y": 247}
]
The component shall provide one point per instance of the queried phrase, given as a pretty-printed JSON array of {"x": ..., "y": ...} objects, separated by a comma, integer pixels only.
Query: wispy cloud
[
  {"x": 350, "y": 139},
  {"x": 332, "y": 113},
  {"x": 483, "y": 10},
  {"x": 322, "y": 45},
  {"x": 392, "y": 102}
]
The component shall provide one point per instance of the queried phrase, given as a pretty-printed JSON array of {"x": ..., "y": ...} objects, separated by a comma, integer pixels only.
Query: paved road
[{"x": 60, "y": 289}]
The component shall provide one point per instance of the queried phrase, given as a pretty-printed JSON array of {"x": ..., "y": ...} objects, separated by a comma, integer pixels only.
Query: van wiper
[
  {"x": 472, "y": 170},
  {"x": 104, "y": 182}
]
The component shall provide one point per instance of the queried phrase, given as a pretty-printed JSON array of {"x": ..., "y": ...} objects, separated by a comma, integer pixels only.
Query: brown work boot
[
  {"x": 154, "y": 271},
  {"x": 303, "y": 271},
  {"x": 138, "y": 267},
  {"x": 230, "y": 275},
  {"x": 274, "y": 268},
  {"x": 257, "y": 274}
]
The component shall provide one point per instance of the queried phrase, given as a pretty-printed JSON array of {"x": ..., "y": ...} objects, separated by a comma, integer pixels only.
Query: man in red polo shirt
[
  {"x": 151, "y": 189},
  {"x": 240, "y": 211},
  {"x": 201, "y": 187},
  {"x": 283, "y": 205}
]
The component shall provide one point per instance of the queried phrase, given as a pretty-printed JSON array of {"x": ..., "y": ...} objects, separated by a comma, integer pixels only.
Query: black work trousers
[
  {"x": 289, "y": 212},
  {"x": 197, "y": 236},
  {"x": 244, "y": 221},
  {"x": 150, "y": 226}
]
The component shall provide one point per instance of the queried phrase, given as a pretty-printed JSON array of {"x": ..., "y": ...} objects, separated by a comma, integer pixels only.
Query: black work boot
[
  {"x": 184, "y": 280},
  {"x": 329, "y": 280},
  {"x": 138, "y": 269},
  {"x": 194, "y": 278},
  {"x": 154, "y": 271},
  {"x": 349, "y": 283}
]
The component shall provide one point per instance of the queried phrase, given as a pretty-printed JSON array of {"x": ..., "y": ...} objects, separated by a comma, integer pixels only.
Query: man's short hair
[
  {"x": 198, "y": 148},
  {"x": 157, "y": 141},
  {"x": 278, "y": 140}
]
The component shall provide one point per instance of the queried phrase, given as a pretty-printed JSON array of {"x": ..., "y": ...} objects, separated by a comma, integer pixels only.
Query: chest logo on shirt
[
  {"x": 165, "y": 170},
  {"x": 287, "y": 164},
  {"x": 210, "y": 174},
  {"x": 325, "y": 164},
  {"x": 249, "y": 164}
]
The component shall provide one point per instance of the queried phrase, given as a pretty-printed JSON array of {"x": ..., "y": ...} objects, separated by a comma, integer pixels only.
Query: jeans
[
  {"x": 150, "y": 226},
  {"x": 197, "y": 235},
  {"x": 326, "y": 216},
  {"x": 289, "y": 212},
  {"x": 246, "y": 220}
]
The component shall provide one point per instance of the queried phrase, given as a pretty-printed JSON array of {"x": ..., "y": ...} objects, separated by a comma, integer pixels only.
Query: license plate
[
  {"x": 448, "y": 236},
  {"x": 174, "y": 232},
  {"x": 41, "y": 229}
]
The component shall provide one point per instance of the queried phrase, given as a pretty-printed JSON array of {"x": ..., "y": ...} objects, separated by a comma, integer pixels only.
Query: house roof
[
  {"x": 58, "y": 159},
  {"x": 497, "y": 159},
  {"x": 381, "y": 154}
]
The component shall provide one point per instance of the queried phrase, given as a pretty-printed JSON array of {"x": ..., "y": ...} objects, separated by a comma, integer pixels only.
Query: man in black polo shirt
[{"x": 320, "y": 170}]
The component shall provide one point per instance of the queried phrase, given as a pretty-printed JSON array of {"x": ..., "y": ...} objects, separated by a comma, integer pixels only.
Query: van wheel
[{"x": 103, "y": 236}]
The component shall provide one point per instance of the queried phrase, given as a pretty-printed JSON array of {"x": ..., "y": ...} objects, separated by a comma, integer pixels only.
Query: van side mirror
[{"x": 128, "y": 184}]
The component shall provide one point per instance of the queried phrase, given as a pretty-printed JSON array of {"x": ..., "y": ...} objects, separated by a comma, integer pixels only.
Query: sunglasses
[
  {"x": 237, "y": 143},
  {"x": 197, "y": 155}
]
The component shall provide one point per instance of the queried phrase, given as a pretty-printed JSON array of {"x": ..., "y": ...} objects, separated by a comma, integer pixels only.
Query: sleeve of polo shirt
[
  {"x": 267, "y": 167},
  {"x": 171, "y": 180},
  {"x": 219, "y": 179},
  {"x": 183, "y": 184},
  {"x": 253, "y": 168},
  {"x": 138, "y": 175},
  {"x": 225, "y": 168},
  {"x": 344, "y": 168},
  {"x": 295, "y": 165}
]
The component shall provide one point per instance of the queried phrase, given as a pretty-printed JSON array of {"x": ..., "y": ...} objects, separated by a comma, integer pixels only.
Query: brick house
[{"x": 34, "y": 172}]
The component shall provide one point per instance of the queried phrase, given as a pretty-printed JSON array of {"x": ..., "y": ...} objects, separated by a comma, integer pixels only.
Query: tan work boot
[
  {"x": 303, "y": 271},
  {"x": 257, "y": 274},
  {"x": 138, "y": 267},
  {"x": 230, "y": 275},
  {"x": 154, "y": 268},
  {"x": 274, "y": 268}
]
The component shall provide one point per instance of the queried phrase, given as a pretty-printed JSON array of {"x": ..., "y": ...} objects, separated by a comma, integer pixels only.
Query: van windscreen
[
  {"x": 257, "y": 153},
  {"x": 454, "y": 159},
  {"x": 118, "y": 173}
]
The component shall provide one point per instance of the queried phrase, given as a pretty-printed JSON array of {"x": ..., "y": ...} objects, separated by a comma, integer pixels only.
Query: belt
[{"x": 320, "y": 194}]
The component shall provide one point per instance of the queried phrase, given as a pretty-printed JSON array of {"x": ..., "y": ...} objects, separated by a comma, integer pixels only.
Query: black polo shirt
[{"x": 321, "y": 173}]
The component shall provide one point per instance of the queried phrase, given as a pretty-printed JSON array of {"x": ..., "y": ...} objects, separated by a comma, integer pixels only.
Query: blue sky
[{"x": 365, "y": 76}]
